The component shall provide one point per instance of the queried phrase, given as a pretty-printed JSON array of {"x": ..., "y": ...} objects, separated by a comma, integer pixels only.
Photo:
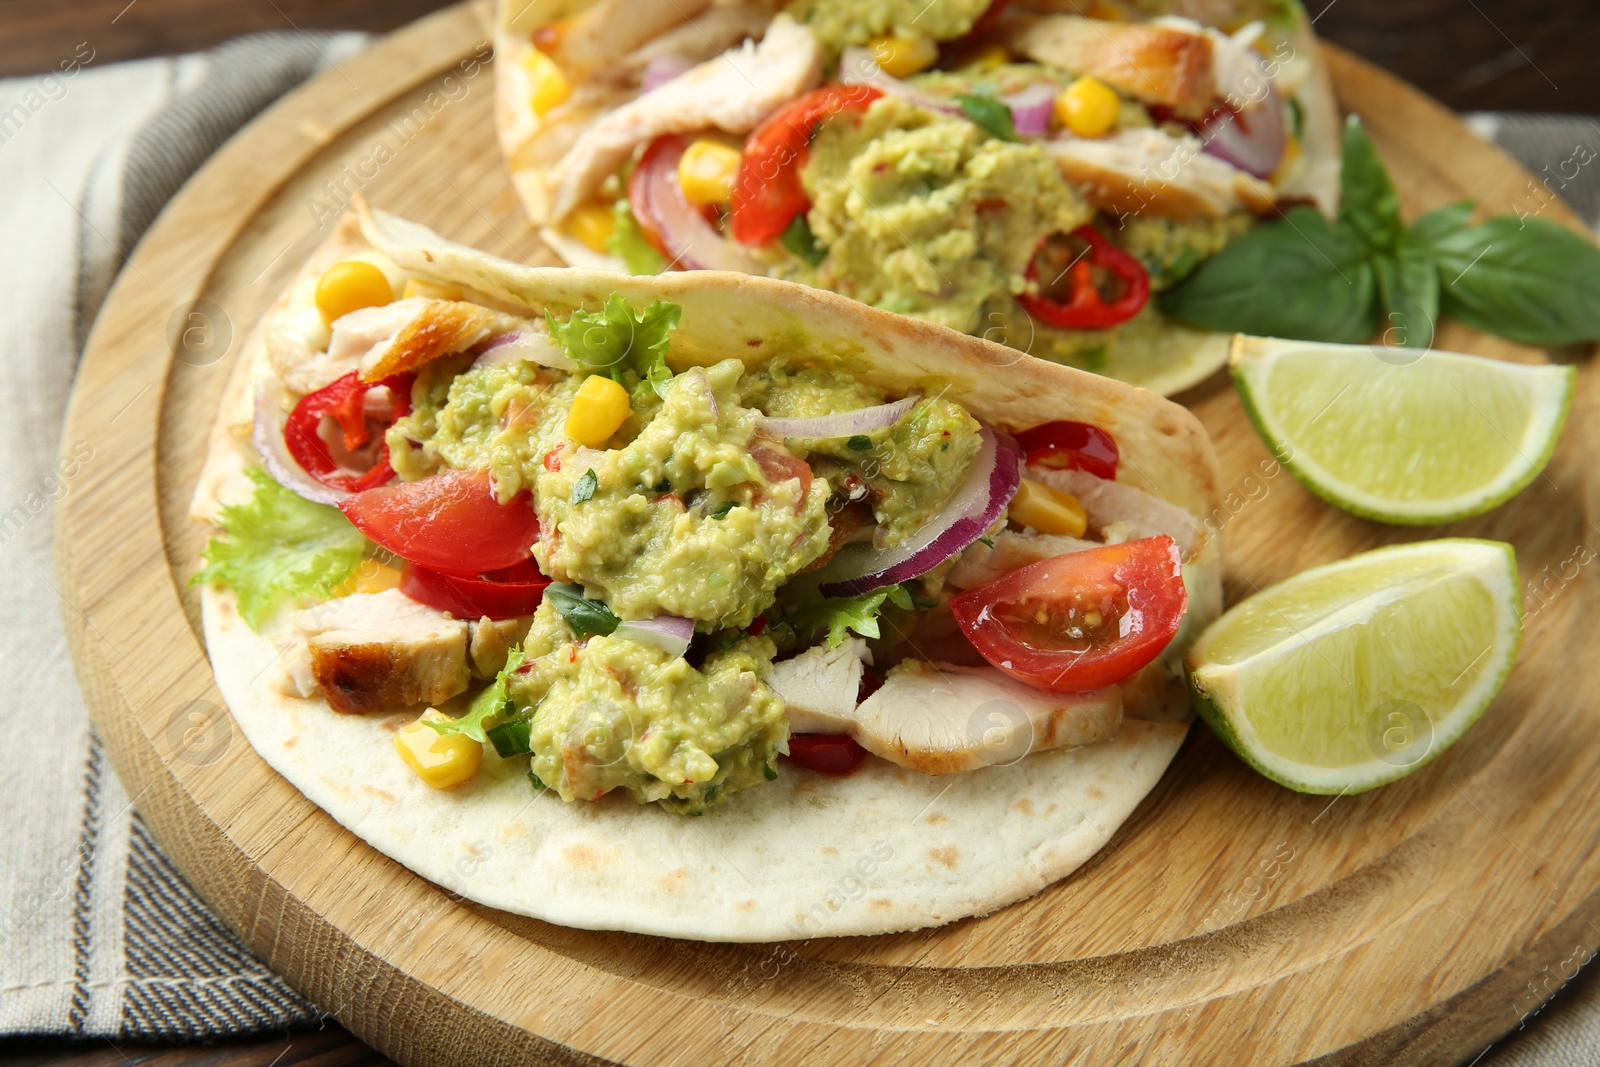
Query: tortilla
[
  {"x": 880, "y": 851},
  {"x": 1153, "y": 352}
]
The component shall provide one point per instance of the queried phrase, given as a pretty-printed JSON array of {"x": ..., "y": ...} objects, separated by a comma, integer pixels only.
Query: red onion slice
[
  {"x": 1031, "y": 108},
  {"x": 840, "y": 424},
  {"x": 691, "y": 242},
  {"x": 1252, "y": 139},
  {"x": 267, "y": 435},
  {"x": 972, "y": 509},
  {"x": 662, "y": 69},
  {"x": 858, "y": 67},
  {"x": 670, "y": 633},
  {"x": 535, "y": 346}
]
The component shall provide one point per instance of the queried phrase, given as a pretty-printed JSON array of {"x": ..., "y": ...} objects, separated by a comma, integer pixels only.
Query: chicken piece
[
  {"x": 1147, "y": 171},
  {"x": 732, "y": 92},
  {"x": 941, "y": 719},
  {"x": 702, "y": 37},
  {"x": 980, "y": 564},
  {"x": 820, "y": 686},
  {"x": 296, "y": 341},
  {"x": 378, "y": 652},
  {"x": 590, "y": 41},
  {"x": 406, "y": 334},
  {"x": 1157, "y": 64},
  {"x": 491, "y": 639}
]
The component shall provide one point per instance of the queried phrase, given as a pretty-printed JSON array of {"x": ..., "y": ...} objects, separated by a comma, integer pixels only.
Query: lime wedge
[
  {"x": 1356, "y": 673},
  {"x": 1402, "y": 435}
]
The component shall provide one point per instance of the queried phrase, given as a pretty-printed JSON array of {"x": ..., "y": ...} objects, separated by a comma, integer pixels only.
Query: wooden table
[{"x": 1492, "y": 54}]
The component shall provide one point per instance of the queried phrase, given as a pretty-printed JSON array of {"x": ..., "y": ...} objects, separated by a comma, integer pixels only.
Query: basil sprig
[
  {"x": 586, "y": 617},
  {"x": 1303, "y": 277}
]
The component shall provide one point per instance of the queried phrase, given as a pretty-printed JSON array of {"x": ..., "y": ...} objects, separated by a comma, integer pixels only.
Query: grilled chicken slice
[
  {"x": 1156, "y": 64},
  {"x": 732, "y": 92},
  {"x": 490, "y": 640},
  {"x": 378, "y": 652},
  {"x": 589, "y": 42},
  {"x": 1146, "y": 170},
  {"x": 1121, "y": 512},
  {"x": 404, "y": 335},
  {"x": 702, "y": 37},
  {"x": 820, "y": 686},
  {"x": 980, "y": 564}
]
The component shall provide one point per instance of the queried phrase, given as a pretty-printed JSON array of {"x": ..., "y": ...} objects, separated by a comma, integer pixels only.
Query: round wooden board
[{"x": 1228, "y": 921}]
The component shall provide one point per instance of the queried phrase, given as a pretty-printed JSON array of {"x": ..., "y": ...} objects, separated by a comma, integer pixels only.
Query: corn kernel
[
  {"x": 598, "y": 411},
  {"x": 549, "y": 85},
  {"x": 351, "y": 285},
  {"x": 1047, "y": 509},
  {"x": 593, "y": 223},
  {"x": 418, "y": 287},
  {"x": 370, "y": 576},
  {"x": 440, "y": 760},
  {"x": 706, "y": 172},
  {"x": 986, "y": 58},
  {"x": 1088, "y": 107},
  {"x": 901, "y": 57}
]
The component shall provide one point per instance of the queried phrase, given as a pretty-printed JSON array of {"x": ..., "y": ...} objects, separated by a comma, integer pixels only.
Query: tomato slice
[
  {"x": 502, "y": 594},
  {"x": 1082, "y": 620},
  {"x": 1071, "y": 446},
  {"x": 1104, "y": 286},
  {"x": 449, "y": 522},
  {"x": 358, "y": 466},
  {"x": 832, "y": 754},
  {"x": 767, "y": 193}
]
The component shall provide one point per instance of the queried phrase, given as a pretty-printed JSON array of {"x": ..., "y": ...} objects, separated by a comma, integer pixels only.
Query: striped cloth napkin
[{"x": 99, "y": 935}]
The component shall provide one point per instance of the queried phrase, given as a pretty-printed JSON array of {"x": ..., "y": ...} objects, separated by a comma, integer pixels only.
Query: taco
[
  {"x": 675, "y": 604},
  {"x": 1014, "y": 170}
]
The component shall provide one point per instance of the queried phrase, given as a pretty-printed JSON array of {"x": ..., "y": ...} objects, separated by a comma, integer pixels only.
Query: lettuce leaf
[
  {"x": 489, "y": 705},
  {"x": 280, "y": 548},
  {"x": 628, "y": 242},
  {"x": 840, "y": 615},
  {"x": 617, "y": 341}
]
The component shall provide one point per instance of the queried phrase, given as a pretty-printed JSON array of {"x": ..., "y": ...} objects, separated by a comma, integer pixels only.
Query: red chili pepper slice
[
  {"x": 502, "y": 594},
  {"x": 344, "y": 402},
  {"x": 832, "y": 754},
  {"x": 1071, "y": 446},
  {"x": 1086, "y": 307},
  {"x": 767, "y": 193}
]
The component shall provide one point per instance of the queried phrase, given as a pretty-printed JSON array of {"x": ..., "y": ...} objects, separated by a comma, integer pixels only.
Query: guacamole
[
  {"x": 925, "y": 214},
  {"x": 837, "y": 23},
  {"x": 613, "y": 713}
]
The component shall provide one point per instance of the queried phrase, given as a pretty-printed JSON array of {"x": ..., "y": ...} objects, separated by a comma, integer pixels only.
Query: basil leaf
[
  {"x": 513, "y": 738},
  {"x": 990, "y": 114},
  {"x": 583, "y": 489},
  {"x": 585, "y": 616},
  {"x": 1408, "y": 286},
  {"x": 859, "y": 443},
  {"x": 1299, "y": 277},
  {"x": 1528, "y": 280},
  {"x": 1367, "y": 201},
  {"x": 801, "y": 242},
  {"x": 1440, "y": 223},
  {"x": 722, "y": 509}
]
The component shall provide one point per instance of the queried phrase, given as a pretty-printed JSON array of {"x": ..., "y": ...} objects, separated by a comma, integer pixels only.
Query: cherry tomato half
[
  {"x": 502, "y": 594},
  {"x": 767, "y": 193},
  {"x": 359, "y": 465},
  {"x": 833, "y": 754},
  {"x": 448, "y": 522},
  {"x": 1071, "y": 446},
  {"x": 1082, "y": 620}
]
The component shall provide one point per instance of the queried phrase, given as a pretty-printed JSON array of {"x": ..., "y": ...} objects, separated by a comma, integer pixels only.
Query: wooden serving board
[{"x": 1228, "y": 921}]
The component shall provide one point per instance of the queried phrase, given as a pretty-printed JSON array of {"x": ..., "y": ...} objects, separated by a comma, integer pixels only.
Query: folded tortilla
[
  {"x": 1151, "y": 351},
  {"x": 883, "y": 850}
]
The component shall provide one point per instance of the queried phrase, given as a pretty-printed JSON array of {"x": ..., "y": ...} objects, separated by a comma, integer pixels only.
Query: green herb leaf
[
  {"x": 1367, "y": 200},
  {"x": 616, "y": 340},
  {"x": 859, "y": 443},
  {"x": 663, "y": 486},
  {"x": 280, "y": 549},
  {"x": 583, "y": 489},
  {"x": 512, "y": 738},
  {"x": 1408, "y": 287},
  {"x": 990, "y": 114},
  {"x": 1298, "y": 277},
  {"x": 585, "y": 616},
  {"x": 487, "y": 708},
  {"x": 840, "y": 615},
  {"x": 1440, "y": 223},
  {"x": 801, "y": 242},
  {"x": 987, "y": 541},
  {"x": 538, "y": 783},
  {"x": 1529, "y": 280},
  {"x": 628, "y": 241},
  {"x": 722, "y": 509}
]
